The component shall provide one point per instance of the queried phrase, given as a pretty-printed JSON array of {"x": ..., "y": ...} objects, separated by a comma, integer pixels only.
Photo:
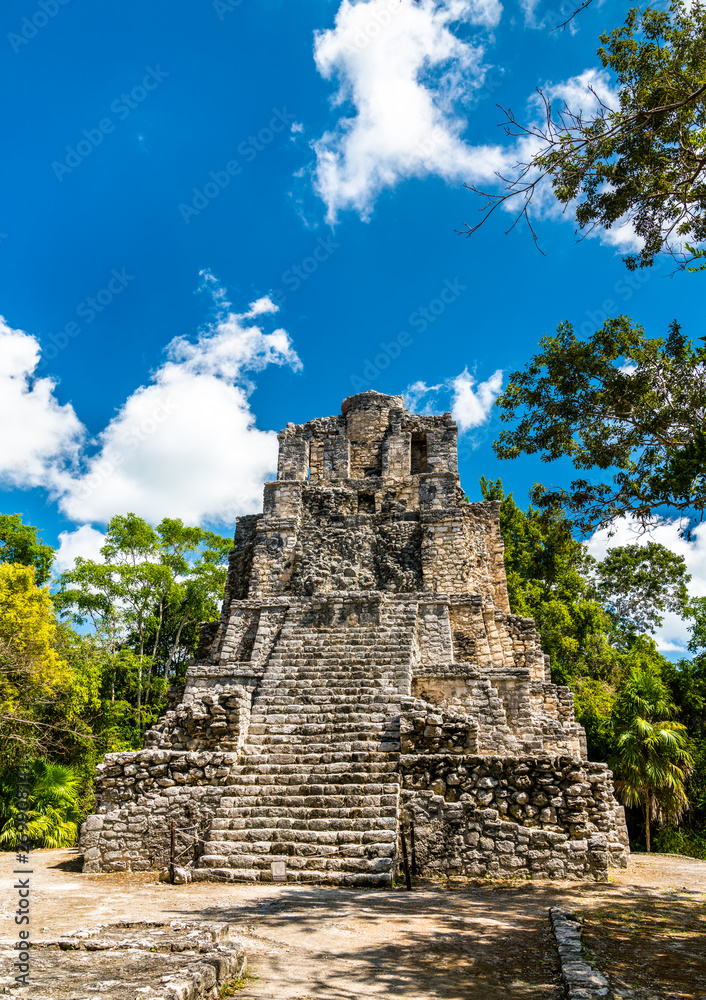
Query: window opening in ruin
[
  {"x": 366, "y": 503},
  {"x": 418, "y": 458}
]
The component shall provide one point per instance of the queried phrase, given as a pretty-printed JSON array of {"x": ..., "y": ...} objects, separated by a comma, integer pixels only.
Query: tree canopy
[
  {"x": 19, "y": 544},
  {"x": 639, "y": 583},
  {"x": 146, "y": 600},
  {"x": 638, "y": 158},
  {"x": 628, "y": 409},
  {"x": 38, "y": 688}
]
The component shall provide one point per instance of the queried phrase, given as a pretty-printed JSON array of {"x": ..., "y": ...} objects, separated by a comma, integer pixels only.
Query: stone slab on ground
[
  {"x": 130, "y": 961},
  {"x": 581, "y": 980}
]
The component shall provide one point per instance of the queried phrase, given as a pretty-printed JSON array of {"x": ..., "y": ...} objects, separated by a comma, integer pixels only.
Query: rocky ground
[{"x": 644, "y": 930}]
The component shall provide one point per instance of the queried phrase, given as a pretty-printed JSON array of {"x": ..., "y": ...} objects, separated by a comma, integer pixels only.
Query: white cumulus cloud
[
  {"x": 401, "y": 70},
  {"x": 38, "y": 434},
  {"x": 185, "y": 444},
  {"x": 473, "y": 401},
  {"x": 85, "y": 542},
  {"x": 673, "y": 636},
  {"x": 469, "y": 401}
]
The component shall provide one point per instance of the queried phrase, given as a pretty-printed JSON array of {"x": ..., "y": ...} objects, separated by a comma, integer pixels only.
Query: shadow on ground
[{"x": 433, "y": 942}]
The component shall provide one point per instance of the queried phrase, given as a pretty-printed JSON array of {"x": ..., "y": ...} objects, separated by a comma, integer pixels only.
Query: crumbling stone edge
[
  {"x": 581, "y": 980},
  {"x": 211, "y": 958}
]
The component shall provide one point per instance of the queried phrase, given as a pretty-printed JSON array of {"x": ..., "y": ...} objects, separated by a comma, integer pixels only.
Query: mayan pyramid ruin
[{"x": 365, "y": 675}]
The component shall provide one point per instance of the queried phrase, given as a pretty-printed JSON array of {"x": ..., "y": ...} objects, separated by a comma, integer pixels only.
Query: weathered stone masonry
[{"x": 365, "y": 673}]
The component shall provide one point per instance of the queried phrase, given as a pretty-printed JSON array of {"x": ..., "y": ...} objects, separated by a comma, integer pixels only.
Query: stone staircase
[{"x": 318, "y": 787}]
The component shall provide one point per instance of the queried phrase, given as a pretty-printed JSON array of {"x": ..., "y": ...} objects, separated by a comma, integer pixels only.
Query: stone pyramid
[{"x": 365, "y": 675}]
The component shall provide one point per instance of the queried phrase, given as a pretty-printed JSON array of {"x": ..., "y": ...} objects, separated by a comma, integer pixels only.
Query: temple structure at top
[{"x": 369, "y": 501}]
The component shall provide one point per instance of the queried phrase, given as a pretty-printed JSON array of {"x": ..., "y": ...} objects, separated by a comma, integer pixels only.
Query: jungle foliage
[
  {"x": 627, "y": 410},
  {"x": 644, "y": 714},
  {"x": 85, "y": 668}
]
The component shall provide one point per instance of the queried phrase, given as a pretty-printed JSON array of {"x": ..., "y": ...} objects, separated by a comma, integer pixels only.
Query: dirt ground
[{"x": 645, "y": 930}]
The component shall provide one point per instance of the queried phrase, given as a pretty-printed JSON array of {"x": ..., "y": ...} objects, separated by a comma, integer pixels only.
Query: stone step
[
  {"x": 329, "y": 818},
  {"x": 308, "y": 727},
  {"x": 355, "y": 783},
  {"x": 340, "y": 834},
  {"x": 372, "y": 653},
  {"x": 338, "y": 771},
  {"x": 349, "y": 880},
  {"x": 314, "y": 759},
  {"x": 299, "y": 691},
  {"x": 325, "y": 696},
  {"x": 327, "y": 804},
  {"x": 373, "y": 667},
  {"x": 342, "y": 714},
  {"x": 282, "y": 745},
  {"x": 321, "y": 862},
  {"x": 315, "y": 795},
  {"x": 240, "y": 854},
  {"x": 321, "y": 734},
  {"x": 348, "y": 710}
]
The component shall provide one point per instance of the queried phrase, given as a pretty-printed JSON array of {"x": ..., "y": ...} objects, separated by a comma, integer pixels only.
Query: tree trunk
[
  {"x": 139, "y": 696},
  {"x": 174, "y": 645},
  {"x": 154, "y": 650},
  {"x": 139, "y": 678},
  {"x": 647, "y": 821}
]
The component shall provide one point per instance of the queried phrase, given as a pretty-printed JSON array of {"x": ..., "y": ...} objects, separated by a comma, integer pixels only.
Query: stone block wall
[
  {"x": 139, "y": 794},
  {"x": 519, "y": 817},
  {"x": 213, "y": 713},
  {"x": 428, "y": 729},
  {"x": 462, "y": 548},
  {"x": 374, "y": 436}
]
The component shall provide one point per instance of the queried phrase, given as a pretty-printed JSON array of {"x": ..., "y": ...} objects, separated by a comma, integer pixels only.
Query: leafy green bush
[
  {"x": 680, "y": 840},
  {"x": 54, "y": 800}
]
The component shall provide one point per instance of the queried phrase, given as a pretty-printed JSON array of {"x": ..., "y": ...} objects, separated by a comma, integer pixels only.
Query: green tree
[
  {"x": 652, "y": 758},
  {"x": 627, "y": 409},
  {"x": 19, "y": 544},
  {"x": 589, "y": 614},
  {"x": 687, "y": 682},
  {"x": 638, "y": 583},
  {"x": 642, "y": 157},
  {"x": 548, "y": 573},
  {"x": 145, "y": 600},
  {"x": 34, "y": 679}
]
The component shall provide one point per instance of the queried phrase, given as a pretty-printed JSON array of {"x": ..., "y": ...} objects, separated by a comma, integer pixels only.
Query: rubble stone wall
[
  {"x": 139, "y": 794},
  {"x": 504, "y": 816}
]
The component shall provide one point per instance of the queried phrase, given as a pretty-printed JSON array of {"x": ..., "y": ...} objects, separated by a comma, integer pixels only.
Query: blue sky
[{"x": 220, "y": 217}]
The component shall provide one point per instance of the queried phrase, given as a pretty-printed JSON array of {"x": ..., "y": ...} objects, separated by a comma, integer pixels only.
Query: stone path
[{"x": 437, "y": 943}]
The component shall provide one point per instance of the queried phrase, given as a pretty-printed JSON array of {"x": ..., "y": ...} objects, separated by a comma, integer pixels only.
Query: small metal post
[
  {"x": 196, "y": 847},
  {"x": 171, "y": 854},
  {"x": 413, "y": 851},
  {"x": 405, "y": 862}
]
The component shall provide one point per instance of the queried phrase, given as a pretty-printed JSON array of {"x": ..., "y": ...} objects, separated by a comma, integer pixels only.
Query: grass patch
[{"x": 233, "y": 986}]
